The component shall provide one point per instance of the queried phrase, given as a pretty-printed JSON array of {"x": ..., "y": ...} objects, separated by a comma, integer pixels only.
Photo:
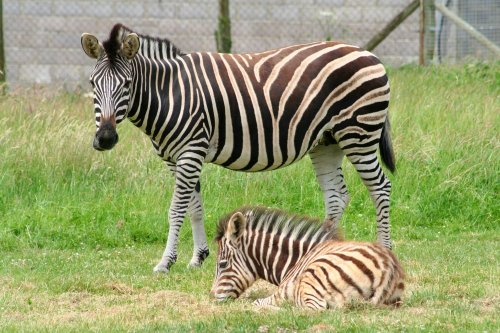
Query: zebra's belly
[{"x": 254, "y": 160}]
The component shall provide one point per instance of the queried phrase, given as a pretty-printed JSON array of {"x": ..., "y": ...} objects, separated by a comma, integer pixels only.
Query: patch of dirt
[
  {"x": 322, "y": 327},
  {"x": 417, "y": 311},
  {"x": 120, "y": 288},
  {"x": 488, "y": 304}
]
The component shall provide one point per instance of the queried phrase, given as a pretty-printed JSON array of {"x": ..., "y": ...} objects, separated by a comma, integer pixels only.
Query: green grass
[{"x": 80, "y": 231}]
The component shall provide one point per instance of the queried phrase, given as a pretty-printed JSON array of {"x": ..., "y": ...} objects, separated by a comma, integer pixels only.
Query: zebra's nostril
[
  {"x": 95, "y": 144},
  {"x": 105, "y": 140}
]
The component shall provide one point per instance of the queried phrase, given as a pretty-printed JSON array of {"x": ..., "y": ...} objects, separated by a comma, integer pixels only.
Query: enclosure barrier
[{"x": 40, "y": 40}]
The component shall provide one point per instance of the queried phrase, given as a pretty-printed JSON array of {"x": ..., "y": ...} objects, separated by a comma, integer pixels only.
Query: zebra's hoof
[
  {"x": 194, "y": 264},
  {"x": 198, "y": 258},
  {"x": 161, "y": 269}
]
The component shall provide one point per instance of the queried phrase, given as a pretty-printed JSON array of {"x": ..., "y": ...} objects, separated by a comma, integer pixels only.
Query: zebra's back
[
  {"x": 335, "y": 273},
  {"x": 269, "y": 109}
]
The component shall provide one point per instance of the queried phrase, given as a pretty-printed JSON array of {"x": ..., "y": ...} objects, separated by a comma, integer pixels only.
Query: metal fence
[
  {"x": 42, "y": 37},
  {"x": 453, "y": 43}
]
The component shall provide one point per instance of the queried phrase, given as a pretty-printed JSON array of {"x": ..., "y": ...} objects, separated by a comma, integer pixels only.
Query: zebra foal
[
  {"x": 246, "y": 112},
  {"x": 318, "y": 273}
]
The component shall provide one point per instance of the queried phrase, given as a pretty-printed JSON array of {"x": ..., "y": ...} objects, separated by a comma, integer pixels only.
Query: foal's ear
[
  {"x": 236, "y": 226},
  {"x": 130, "y": 45},
  {"x": 91, "y": 46}
]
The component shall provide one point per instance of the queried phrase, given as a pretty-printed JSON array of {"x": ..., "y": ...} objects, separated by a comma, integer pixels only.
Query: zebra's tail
[{"x": 386, "y": 151}]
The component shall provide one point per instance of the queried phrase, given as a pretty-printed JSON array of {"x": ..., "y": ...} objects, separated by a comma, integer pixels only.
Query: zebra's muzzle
[{"x": 106, "y": 137}]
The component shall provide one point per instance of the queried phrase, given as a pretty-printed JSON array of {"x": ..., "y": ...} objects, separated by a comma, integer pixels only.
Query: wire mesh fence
[
  {"x": 42, "y": 37},
  {"x": 453, "y": 43}
]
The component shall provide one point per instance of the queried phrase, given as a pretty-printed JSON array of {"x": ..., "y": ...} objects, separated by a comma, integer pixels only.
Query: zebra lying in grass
[{"x": 313, "y": 267}]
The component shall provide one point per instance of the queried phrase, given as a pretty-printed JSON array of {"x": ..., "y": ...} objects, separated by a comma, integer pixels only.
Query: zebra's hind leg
[
  {"x": 363, "y": 156},
  {"x": 200, "y": 246},
  {"x": 310, "y": 292},
  {"x": 327, "y": 163}
]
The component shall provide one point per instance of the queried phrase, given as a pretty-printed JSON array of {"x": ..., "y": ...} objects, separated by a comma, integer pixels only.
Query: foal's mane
[{"x": 269, "y": 220}]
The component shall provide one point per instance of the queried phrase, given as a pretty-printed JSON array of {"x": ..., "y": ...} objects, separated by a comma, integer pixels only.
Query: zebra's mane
[
  {"x": 113, "y": 44},
  {"x": 273, "y": 220}
]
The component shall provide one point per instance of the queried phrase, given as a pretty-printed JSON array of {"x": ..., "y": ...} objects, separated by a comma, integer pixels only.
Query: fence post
[
  {"x": 2, "y": 54},
  {"x": 393, "y": 24},
  {"x": 427, "y": 31},
  {"x": 223, "y": 32}
]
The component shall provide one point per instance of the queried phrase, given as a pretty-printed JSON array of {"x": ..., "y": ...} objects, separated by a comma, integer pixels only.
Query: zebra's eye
[{"x": 223, "y": 264}]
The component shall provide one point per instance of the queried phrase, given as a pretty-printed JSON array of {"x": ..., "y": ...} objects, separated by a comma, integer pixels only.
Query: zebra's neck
[
  {"x": 151, "y": 106},
  {"x": 163, "y": 103}
]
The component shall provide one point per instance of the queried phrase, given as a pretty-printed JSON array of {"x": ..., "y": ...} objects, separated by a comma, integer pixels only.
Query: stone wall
[{"x": 42, "y": 37}]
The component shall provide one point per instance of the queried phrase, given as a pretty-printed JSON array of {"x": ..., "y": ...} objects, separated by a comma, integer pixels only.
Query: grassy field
[{"x": 80, "y": 231}]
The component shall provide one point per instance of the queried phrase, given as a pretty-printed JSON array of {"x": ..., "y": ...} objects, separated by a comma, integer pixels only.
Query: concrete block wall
[{"x": 42, "y": 37}]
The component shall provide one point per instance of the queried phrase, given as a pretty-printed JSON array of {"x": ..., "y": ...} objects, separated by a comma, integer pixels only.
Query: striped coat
[
  {"x": 246, "y": 112},
  {"x": 313, "y": 267},
  {"x": 262, "y": 243},
  {"x": 335, "y": 273}
]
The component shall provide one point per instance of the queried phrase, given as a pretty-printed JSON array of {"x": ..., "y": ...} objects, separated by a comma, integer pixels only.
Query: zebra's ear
[
  {"x": 235, "y": 226},
  {"x": 130, "y": 45},
  {"x": 91, "y": 46}
]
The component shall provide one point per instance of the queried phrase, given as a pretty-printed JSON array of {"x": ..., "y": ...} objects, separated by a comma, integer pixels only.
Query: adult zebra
[{"x": 248, "y": 112}]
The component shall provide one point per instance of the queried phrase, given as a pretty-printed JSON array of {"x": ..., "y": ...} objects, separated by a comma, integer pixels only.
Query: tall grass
[{"x": 80, "y": 231}]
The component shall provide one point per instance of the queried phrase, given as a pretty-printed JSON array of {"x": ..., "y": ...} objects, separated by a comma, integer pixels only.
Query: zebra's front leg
[
  {"x": 200, "y": 246},
  {"x": 268, "y": 302},
  {"x": 187, "y": 174},
  {"x": 327, "y": 163}
]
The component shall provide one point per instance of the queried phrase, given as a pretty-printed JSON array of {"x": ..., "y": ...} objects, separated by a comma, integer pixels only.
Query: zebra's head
[
  {"x": 233, "y": 274},
  {"x": 111, "y": 81}
]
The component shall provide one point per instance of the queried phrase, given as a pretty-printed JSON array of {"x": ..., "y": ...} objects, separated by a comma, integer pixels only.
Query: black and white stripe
[{"x": 252, "y": 112}]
